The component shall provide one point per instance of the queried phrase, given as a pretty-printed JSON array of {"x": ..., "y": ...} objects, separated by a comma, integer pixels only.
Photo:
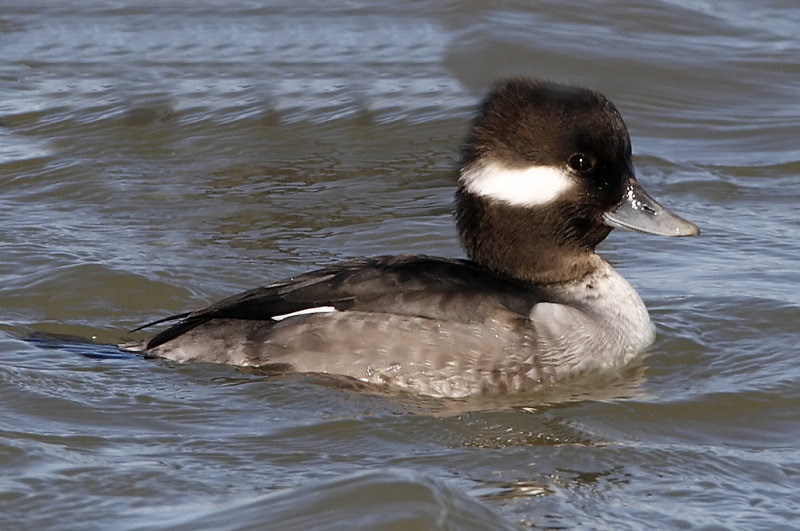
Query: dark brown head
[{"x": 546, "y": 173}]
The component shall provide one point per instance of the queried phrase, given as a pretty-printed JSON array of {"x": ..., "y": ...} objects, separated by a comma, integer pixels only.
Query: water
[{"x": 158, "y": 156}]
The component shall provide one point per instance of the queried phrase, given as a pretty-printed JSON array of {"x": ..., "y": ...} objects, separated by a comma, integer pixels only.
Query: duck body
[{"x": 546, "y": 173}]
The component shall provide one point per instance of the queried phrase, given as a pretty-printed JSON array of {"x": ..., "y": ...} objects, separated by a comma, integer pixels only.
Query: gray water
[{"x": 157, "y": 156}]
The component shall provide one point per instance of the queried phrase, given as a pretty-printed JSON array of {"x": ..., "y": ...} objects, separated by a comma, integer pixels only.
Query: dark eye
[{"x": 580, "y": 162}]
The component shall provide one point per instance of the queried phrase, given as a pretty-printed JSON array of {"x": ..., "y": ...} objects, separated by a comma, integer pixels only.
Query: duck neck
[{"x": 549, "y": 244}]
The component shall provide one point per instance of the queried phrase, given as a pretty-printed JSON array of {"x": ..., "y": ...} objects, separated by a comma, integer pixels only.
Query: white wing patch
[
  {"x": 532, "y": 186},
  {"x": 305, "y": 311}
]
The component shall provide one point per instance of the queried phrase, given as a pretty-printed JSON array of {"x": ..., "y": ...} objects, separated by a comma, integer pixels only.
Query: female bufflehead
[{"x": 545, "y": 174}]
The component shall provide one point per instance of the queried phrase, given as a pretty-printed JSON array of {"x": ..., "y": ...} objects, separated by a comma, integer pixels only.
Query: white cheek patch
[
  {"x": 535, "y": 185},
  {"x": 306, "y": 311}
]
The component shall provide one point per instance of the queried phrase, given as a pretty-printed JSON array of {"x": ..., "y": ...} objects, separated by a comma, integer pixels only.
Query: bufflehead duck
[{"x": 546, "y": 173}]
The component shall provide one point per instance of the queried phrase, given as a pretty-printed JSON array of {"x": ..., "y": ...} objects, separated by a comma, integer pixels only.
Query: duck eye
[{"x": 580, "y": 162}]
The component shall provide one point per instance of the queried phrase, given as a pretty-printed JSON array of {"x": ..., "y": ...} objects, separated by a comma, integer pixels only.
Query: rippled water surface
[{"x": 157, "y": 156}]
